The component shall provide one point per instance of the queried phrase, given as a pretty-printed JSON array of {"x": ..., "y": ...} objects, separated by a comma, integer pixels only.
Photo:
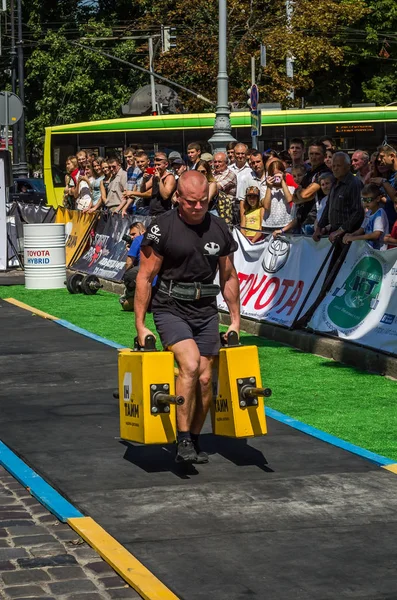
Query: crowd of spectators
[{"x": 313, "y": 191}]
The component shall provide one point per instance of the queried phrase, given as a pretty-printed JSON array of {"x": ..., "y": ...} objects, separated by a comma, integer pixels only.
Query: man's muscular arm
[
  {"x": 230, "y": 289},
  {"x": 149, "y": 266},
  {"x": 302, "y": 195}
]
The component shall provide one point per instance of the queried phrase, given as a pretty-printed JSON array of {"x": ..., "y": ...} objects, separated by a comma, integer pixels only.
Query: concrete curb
[{"x": 342, "y": 351}]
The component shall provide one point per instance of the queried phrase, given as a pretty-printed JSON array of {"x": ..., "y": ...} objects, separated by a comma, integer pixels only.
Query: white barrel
[{"x": 45, "y": 257}]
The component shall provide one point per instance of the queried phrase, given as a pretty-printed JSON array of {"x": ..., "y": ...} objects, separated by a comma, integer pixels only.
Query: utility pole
[
  {"x": 152, "y": 83},
  {"x": 253, "y": 82},
  {"x": 289, "y": 63},
  {"x": 13, "y": 55},
  {"x": 23, "y": 167},
  {"x": 222, "y": 127}
]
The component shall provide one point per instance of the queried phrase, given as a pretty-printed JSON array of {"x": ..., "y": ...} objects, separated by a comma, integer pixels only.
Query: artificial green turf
[{"x": 353, "y": 405}]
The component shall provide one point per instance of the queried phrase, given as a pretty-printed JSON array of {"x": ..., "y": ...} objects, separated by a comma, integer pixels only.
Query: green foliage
[
  {"x": 336, "y": 45},
  {"x": 311, "y": 37},
  {"x": 65, "y": 83},
  {"x": 381, "y": 89}
]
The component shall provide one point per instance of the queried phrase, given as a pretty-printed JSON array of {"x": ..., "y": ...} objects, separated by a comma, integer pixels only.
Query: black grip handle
[
  {"x": 161, "y": 398},
  {"x": 150, "y": 344},
  {"x": 232, "y": 339},
  {"x": 252, "y": 392}
]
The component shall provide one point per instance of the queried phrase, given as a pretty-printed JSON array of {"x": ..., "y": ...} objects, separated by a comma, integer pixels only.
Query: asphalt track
[{"x": 280, "y": 517}]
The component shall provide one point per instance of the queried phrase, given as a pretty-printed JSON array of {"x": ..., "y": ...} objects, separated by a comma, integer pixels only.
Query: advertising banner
[
  {"x": 20, "y": 213},
  {"x": 3, "y": 223},
  {"x": 279, "y": 278},
  {"x": 13, "y": 259},
  {"x": 361, "y": 305},
  {"x": 35, "y": 213},
  {"x": 107, "y": 254},
  {"x": 77, "y": 230}
]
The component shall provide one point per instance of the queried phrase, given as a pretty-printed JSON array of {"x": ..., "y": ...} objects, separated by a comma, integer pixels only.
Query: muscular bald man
[{"x": 185, "y": 247}]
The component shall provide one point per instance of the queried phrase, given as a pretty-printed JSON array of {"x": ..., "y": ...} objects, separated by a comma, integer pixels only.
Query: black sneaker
[
  {"x": 202, "y": 457},
  {"x": 185, "y": 452}
]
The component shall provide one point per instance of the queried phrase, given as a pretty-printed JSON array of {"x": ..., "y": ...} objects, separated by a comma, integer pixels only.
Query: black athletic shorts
[{"x": 173, "y": 329}]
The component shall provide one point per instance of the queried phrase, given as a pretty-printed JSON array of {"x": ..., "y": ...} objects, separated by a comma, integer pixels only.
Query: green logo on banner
[{"x": 358, "y": 295}]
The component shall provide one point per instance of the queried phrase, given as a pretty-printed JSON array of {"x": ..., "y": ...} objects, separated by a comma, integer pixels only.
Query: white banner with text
[
  {"x": 361, "y": 305},
  {"x": 279, "y": 278}
]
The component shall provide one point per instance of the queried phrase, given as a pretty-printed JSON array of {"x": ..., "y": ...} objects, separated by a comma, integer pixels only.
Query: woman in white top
[
  {"x": 84, "y": 195},
  {"x": 278, "y": 198},
  {"x": 96, "y": 183}
]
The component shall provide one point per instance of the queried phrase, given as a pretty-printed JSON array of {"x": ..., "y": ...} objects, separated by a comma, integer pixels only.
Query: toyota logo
[{"x": 275, "y": 255}]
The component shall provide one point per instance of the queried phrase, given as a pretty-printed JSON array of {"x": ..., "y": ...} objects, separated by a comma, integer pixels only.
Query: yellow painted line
[
  {"x": 392, "y": 468},
  {"x": 122, "y": 561},
  {"x": 35, "y": 311}
]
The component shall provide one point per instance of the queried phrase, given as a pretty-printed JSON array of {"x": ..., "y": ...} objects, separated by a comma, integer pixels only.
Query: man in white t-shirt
[
  {"x": 254, "y": 176},
  {"x": 240, "y": 167}
]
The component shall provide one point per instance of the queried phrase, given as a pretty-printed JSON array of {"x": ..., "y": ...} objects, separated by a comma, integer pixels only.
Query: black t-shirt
[
  {"x": 306, "y": 212},
  {"x": 158, "y": 205},
  {"x": 190, "y": 255}
]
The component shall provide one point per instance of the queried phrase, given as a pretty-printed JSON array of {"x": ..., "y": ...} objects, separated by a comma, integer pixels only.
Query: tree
[
  {"x": 377, "y": 40},
  {"x": 335, "y": 45},
  {"x": 311, "y": 37},
  {"x": 66, "y": 83}
]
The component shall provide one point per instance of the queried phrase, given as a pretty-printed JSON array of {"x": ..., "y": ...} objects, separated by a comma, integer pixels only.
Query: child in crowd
[
  {"x": 326, "y": 180},
  {"x": 253, "y": 215},
  {"x": 392, "y": 237},
  {"x": 375, "y": 225},
  {"x": 278, "y": 197},
  {"x": 298, "y": 174}
]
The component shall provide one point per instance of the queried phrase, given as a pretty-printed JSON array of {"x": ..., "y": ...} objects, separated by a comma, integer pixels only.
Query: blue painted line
[
  {"x": 93, "y": 336},
  {"x": 328, "y": 438},
  {"x": 39, "y": 488}
]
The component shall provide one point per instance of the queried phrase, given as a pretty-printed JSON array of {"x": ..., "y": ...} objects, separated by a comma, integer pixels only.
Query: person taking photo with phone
[{"x": 278, "y": 198}]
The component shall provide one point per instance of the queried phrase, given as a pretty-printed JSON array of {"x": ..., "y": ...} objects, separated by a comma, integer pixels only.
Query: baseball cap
[
  {"x": 174, "y": 154},
  {"x": 177, "y": 161},
  {"x": 252, "y": 190},
  {"x": 206, "y": 156}
]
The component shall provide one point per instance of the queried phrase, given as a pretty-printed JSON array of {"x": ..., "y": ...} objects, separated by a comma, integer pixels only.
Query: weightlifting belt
[{"x": 189, "y": 291}]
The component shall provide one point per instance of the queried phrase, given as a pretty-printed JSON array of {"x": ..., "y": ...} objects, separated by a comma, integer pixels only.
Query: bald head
[
  {"x": 240, "y": 152},
  {"x": 192, "y": 184},
  {"x": 220, "y": 156},
  {"x": 192, "y": 195},
  {"x": 220, "y": 162}
]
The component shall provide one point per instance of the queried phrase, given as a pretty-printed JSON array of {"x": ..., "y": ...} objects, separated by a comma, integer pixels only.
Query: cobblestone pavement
[{"x": 42, "y": 558}]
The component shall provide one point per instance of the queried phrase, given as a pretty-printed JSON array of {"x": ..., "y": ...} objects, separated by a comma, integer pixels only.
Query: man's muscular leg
[
  {"x": 203, "y": 403},
  {"x": 204, "y": 394},
  {"x": 187, "y": 356}
]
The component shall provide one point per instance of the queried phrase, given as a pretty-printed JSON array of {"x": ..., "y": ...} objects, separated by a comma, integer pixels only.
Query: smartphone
[{"x": 151, "y": 170}]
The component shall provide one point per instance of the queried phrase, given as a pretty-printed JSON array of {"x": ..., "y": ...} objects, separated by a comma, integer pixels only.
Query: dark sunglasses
[{"x": 367, "y": 199}]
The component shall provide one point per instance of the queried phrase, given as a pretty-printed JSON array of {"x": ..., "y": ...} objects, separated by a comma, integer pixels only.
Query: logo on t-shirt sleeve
[
  {"x": 211, "y": 249},
  {"x": 154, "y": 233}
]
